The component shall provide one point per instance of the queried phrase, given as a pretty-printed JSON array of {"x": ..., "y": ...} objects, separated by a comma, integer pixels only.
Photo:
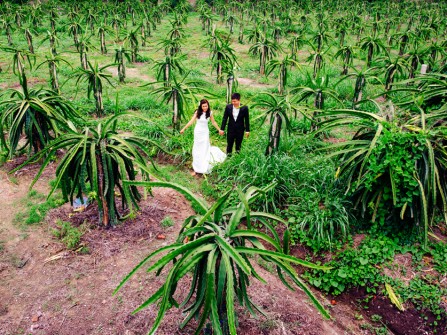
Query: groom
[{"x": 238, "y": 123}]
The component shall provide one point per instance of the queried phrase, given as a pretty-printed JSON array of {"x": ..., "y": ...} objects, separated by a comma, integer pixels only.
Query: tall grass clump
[{"x": 305, "y": 192}]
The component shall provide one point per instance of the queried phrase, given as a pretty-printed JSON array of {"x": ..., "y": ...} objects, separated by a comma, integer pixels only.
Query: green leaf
[
  {"x": 341, "y": 273},
  {"x": 230, "y": 295},
  {"x": 363, "y": 261},
  {"x": 277, "y": 255},
  {"x": 234, "y": 254},
  {"x": 179, "y": 250},
  {"x": 256, "y": 234}
]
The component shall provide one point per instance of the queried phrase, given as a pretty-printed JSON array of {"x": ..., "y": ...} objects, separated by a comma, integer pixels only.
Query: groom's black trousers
[{"x": 234, "y": 137}]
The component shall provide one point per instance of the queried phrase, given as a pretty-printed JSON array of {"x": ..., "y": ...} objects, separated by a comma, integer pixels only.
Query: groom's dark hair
[{"x": 236, "y": 96}]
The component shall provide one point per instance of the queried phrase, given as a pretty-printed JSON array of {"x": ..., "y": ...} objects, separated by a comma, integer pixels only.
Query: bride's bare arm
[
  {"x": 214, "y": 122},
  {"x": 194, "y": 117}
]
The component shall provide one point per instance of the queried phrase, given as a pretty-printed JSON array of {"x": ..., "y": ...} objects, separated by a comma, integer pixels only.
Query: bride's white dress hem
[{"x": 204, "y": 156}]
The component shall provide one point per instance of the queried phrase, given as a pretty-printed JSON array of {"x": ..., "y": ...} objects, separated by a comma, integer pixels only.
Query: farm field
[{"x": 330, "y": 220}]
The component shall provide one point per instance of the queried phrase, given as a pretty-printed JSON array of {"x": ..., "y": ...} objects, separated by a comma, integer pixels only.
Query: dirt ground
[
  {"x": 133, "y": 73},
  {"x": 72, "y": 293},
  {"x": 46, "y": 289}
]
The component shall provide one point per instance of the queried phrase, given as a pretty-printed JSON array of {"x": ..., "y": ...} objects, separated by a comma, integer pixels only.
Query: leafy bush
[
  {"x": 356, "y": 267},
  {"x": 318, "y": 212},
  {"x": 317, "y": 219},
  {"x": 425, "y": 292},
  {"x": 305, "y": 191},
  {"x": 96, "y": 162},
  {"x": 256, "y": 169},
  {"x": 439, "y": 253},
  {"x": 39, "y": 114},
  {"x": 252, "y": 167},
  {"x": 394, "y": 166}
]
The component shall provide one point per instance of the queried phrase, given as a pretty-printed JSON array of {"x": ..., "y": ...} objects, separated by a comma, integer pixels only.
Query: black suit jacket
[{"x": 242, "y": 122}]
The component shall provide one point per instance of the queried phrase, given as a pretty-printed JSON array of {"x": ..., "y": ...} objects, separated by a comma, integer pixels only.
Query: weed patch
[
  {"x": 36, "y": 208},
  {"x": 69, "y": 235},
  {"x": 167, "y": 222}
]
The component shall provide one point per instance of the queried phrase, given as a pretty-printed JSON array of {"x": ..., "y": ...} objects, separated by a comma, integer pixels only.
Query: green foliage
[
  {"x": 257, "y": 169},
  {"x": 394, "y": 166},
  {"x": 356, "y": 267},
  {"x": 317, "y": 219},
  {"x": 439, "y": 252},
  {"x": 278, "y": 110},
  {"x": 364, "y": 266},
  {"x": 425, "y": 293},
  {"x": 318, "y": 89},
  {"x": 179, "y": 92},
  {"x": 3, "y": 156},
  {"x": 380, "y": 330},
  {"x": 318, "y": 212},
  {"x": 168, "y": 65},
  {"x": 395, "y": 153},
  {"x": 95, "y": 77},
  {"x": 70, "y": 236},
  {"x": 223, "y": 57},
  {"x": 36, "y": 208},
  {"x": 215, "y": 247},
  {"x": 167, "y": 222},
  {"x": 96, "y": 162},
  {"x": 382, "y": 182},
  {"x": 39, "y": 114}
]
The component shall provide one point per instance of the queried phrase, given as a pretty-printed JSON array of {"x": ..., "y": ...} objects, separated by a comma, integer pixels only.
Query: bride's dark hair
[{"x": 200, "y": 111}]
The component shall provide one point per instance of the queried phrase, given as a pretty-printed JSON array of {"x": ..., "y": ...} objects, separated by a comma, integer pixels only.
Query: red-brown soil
[
  {"x": 72, "y": 293},
  {"x": 409, "y": 322}
]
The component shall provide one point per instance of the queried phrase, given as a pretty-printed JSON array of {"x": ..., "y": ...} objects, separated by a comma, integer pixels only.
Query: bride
[{"x": 204, "y": 156}]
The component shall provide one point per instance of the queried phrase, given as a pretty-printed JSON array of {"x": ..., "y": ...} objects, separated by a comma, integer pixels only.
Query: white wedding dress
[{"x": 204, "y": 156}]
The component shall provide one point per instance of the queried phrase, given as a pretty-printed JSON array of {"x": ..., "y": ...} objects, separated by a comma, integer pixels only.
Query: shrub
[
  {"x": 96, "y": 162},
  {"x": 317, "y": 219},
  {"x": 394, "y": 166},
  {"x": 356, "y": 267},
  {"x": 39, "y": 114}
]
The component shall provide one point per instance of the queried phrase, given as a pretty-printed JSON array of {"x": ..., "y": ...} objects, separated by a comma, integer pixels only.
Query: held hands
[
  {"x": 182, "y": 131},
  {"x": 221, "y": 132},
  {"x": 247, "y": 134}
]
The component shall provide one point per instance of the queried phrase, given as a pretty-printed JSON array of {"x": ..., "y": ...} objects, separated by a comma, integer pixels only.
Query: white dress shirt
[{"x": 235, "y": 113}]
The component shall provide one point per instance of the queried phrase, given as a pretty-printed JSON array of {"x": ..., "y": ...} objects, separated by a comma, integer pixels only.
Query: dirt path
[
  {"x": 133, "y": 73},
  {"x": 253, "y": 84},
  {"x": 73, "y": 294}
]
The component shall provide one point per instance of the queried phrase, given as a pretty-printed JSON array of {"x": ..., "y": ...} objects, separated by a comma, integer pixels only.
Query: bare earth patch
[
  {"x": 409, "y": 322},
  {"x": 46, "y": 289},
  {"x": 401, "y": 262},
  {"x": 31, "y": 82},
  {"x": 241, "y": 48},
  {"x": 252, "y": 83},
  {"x": 132, "y": 72},
  {"x": 72, "y": 293}
]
